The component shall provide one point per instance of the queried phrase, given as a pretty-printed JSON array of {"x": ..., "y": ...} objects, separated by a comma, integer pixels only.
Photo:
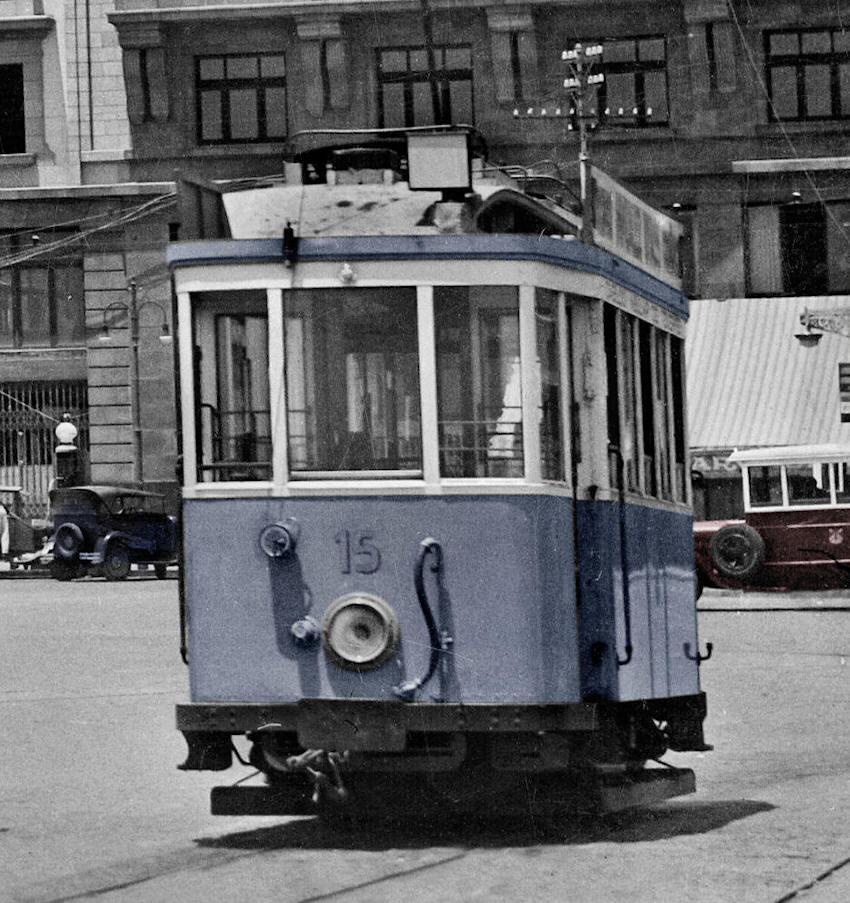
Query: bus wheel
[
  {"x": 161, "y": 571},
  {"x": 116, "y": 562},
  {"x": 737, "y": 551}
]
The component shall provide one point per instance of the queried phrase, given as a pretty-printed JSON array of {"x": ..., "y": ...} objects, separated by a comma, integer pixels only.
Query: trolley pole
[{"x": 581, "y": 60}]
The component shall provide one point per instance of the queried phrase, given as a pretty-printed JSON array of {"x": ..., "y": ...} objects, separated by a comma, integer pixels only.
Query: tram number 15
[{"x": 357, "y": 552}]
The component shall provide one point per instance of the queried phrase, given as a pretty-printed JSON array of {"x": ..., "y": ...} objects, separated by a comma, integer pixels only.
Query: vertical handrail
[{"x": 624, "y": 564}]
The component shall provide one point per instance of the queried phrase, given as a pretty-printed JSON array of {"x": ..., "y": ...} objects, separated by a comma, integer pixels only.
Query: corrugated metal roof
[{"x": 751, "y": 383}]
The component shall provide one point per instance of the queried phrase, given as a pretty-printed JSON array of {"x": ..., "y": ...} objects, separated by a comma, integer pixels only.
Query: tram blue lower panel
[
  {"x": 507, "y": 598},
  {"x": 653, "y": 606}
]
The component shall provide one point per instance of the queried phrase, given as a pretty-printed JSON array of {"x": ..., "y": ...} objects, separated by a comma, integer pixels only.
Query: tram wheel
[
  {"x": 116, "y": 562},
  {"x": 737, "y": 551}
]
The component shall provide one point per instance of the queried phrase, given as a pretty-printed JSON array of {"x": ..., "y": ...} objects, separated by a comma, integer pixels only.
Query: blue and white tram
[{"x": 436, "y": 524}]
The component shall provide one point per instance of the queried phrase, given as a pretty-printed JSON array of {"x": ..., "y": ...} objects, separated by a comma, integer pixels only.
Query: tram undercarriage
[{"x": 372, "y": 756}]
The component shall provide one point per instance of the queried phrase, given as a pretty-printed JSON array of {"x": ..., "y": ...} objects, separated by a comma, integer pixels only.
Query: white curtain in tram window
[
  {"x": 502, "y": 443},
  {"x": 765, "y": 262}
]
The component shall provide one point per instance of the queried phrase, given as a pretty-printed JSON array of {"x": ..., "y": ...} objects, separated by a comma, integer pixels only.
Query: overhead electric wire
[{"x": 127, "y": 216}]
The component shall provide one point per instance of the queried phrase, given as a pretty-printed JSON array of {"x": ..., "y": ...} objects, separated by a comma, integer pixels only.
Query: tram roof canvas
[{"x": 392, "y": 222}]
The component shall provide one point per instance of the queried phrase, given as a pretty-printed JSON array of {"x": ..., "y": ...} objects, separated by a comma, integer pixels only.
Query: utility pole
[{"x": 581, "y": 60}]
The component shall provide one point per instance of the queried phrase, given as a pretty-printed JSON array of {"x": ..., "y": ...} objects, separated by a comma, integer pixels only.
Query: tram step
[
  {"x": 261, "y": 801},
  {"x": 644, "y": 788}
]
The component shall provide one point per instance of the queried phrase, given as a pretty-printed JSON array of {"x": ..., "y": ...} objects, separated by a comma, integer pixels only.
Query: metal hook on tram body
[{"x": 698, "y": 657}]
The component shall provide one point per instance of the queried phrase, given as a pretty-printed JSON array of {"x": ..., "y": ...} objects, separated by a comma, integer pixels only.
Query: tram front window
[
  {"x": 232, "y": 386},
  {"x": 352, "y": 382},
  {"x": 479, "y": 389}
]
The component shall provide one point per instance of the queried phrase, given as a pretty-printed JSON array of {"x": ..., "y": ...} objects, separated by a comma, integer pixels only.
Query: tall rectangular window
[
  {"x": 232, "y": 401},
  {"x": 413, "y": 92},
  {"x": 479, "y": 386},
  {"x": 42, "y": 303},
  {"x": 844, "y": 391},
  {"x": 797, "y": 249},
  {"x": 808, "y": 74},
  {"x": 548, "y": 363},
  {"x": 12, "y": 129},
  {"x": 634, "y": 90},
  {"x": 352, "y": 382},
  {"x": 240, "y": 98}
]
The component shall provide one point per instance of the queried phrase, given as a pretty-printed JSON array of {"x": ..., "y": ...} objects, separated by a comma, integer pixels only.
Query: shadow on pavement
[{"x": 662, "y": 822}]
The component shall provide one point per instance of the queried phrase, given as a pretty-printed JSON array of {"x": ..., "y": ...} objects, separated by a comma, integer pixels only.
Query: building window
[
  {"x": 42, "y": 302},
  {"x": 634, "y": 91},
  {"x": 797, "y": 249},
  {"x": 808, "y": 74},
  {"x": 12, "y": 131},
  {"x": 412, "y": 93},
  {"x": 241, "y": 98},
  {"x": 844, "y": 391}
]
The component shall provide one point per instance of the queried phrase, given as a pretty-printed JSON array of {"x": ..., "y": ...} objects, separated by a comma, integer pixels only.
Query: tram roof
[{"x": 390, "y": 221}]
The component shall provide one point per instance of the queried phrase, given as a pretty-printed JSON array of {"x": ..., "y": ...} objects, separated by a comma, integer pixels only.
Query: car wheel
[
  {"x": 737, "y": 551},
  {"x": 116, "y": 562},
  {"x": 161, "y": 571},
  {"x": 62, "y": 570},
  {"x": 67, "y": 541}
]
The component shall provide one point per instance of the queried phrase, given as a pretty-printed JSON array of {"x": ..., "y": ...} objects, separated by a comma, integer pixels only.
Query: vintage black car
[{"x": 104, "y": 530}]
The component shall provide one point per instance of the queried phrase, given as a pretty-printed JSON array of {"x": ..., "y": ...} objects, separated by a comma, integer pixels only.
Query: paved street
[{"x": 91, "y": 804}]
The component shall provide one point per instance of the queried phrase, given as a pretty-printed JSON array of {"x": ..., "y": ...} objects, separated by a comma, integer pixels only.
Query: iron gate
[{"x": 29, "y": 412}]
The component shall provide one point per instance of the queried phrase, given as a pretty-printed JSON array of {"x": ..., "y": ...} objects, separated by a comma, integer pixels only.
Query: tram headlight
[{"x": 360, "y": 632}]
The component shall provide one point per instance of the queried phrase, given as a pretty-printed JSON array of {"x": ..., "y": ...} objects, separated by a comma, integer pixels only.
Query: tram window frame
[
  {"x": 645, "y": 407},
  {"x": 477, "y": 455},
  {"x": 210, "y": 340},
  {"x": 310, "y": 359},
  {"x": 553, "y": 380}
]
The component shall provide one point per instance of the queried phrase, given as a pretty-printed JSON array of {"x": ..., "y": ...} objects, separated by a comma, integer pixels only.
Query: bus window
[
  {"x": 352, "y": 382},
  {"x": 232, "y": 386},
  {"x": 479, "y": 391},
  {"x": 551, "y": 436},
  {"x": 808, "y": 484},
  {"x": 842, "y": 482},
  {"x": 765, "y": 486}
]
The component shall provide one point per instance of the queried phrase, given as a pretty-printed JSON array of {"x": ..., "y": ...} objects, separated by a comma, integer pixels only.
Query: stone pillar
[
  {"x": 509, "y": 25},
  {"x": 145, "y": 73},
  {"x": 325, "y": 64}
]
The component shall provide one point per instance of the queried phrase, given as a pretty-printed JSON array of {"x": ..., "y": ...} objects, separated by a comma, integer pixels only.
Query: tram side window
[
  {"x": 645, "y": 407},
  {"x": 680, "y": 451},
  {"x": 479, "y": 391},
  {"x": 765, "y": 486},
  {"x": 650, "y": 483},
  {"x": 548, "y": 362},
  {"x": 232, "y": 386},
  {"x": 352, "y": 381}
]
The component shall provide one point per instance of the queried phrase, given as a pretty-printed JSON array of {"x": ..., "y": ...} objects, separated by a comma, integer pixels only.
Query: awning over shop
[{"x": 751, "y": 383}]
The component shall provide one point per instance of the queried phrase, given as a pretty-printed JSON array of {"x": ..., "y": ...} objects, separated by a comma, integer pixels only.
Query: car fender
[{"x": 103, "y": 543}]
